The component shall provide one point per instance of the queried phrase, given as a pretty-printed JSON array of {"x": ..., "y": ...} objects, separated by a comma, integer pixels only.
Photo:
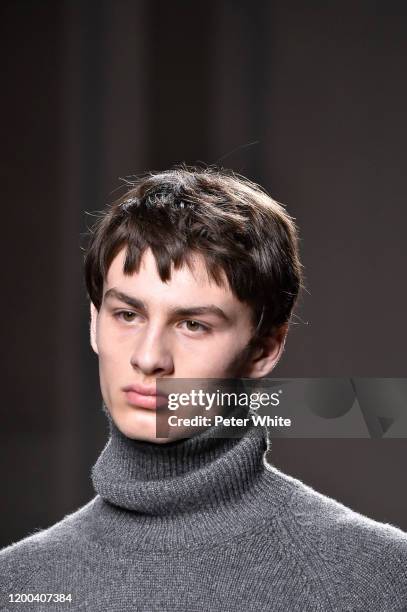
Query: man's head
[{"x": 191, "y": 274}]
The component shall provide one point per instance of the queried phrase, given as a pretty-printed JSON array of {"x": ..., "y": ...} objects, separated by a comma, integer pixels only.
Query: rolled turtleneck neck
[
  {"x": 186, "y": 490},
  {"x": 158, "y": 479}
]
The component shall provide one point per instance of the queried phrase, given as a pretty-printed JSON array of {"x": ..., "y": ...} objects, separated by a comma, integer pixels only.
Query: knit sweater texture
[{"x": 206, "y": 524}]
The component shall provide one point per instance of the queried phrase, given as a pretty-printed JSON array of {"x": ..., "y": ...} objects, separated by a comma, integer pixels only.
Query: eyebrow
[{"x": 183, "y": 312}]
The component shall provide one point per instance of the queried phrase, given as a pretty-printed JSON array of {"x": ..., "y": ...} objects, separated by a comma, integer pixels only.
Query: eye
[
  {"x": 122, "y": 315},
  {"x": 195, "y": 326}
]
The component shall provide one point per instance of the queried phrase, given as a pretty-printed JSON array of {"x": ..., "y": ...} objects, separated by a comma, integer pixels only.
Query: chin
[
  {"x": 136, "y": 423},
  {"x": 141, "y": 424}
]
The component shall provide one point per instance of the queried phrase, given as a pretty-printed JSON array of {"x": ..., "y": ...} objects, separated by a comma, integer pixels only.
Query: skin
[{"x": 141, "y": 345}]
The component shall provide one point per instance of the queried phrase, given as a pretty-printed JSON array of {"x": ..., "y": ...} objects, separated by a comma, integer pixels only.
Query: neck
[{"x": 214, "y": 483}]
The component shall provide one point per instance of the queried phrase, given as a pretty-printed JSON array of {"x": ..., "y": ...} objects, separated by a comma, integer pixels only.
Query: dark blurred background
[{"x": 307, "y": 98}]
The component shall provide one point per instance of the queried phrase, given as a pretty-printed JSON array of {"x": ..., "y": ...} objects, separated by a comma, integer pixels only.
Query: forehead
[{"x": 185, "y": 285}]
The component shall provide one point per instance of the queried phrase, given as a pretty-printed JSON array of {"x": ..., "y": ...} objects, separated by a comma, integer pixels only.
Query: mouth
[{"x": 144, "y": 398}]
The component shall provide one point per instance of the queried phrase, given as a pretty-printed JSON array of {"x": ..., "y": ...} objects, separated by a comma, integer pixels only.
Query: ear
[
  {"x": 266, "y": 357},
  {"x": 93, "y": 318}
]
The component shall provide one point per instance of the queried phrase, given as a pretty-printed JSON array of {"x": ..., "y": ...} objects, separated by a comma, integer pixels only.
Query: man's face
[{"x": 188, "y": 327}]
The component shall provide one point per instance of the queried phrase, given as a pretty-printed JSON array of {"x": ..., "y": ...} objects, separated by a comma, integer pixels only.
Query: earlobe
[{"x": 93, "y": 319}]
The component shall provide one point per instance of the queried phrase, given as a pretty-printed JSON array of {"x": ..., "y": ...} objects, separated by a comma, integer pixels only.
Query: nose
[{"x": 151, "y": 354}]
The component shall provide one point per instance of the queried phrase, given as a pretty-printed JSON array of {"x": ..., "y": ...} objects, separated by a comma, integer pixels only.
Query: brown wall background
[{"x": 307, "y": 98}]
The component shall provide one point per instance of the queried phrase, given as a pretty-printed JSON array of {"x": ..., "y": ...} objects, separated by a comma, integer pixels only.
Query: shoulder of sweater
[
  {"x": 342, "y": 546},
  {"x": 20, "y": 559}
]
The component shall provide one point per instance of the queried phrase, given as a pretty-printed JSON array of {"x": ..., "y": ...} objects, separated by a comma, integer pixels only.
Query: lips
[{"x": 142, "y": 396}]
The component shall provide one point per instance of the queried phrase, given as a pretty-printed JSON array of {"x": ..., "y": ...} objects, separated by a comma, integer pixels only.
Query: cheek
[
  {"x": 210, "y": 359},
  {"x": 111, "y": 371},
  {"x": 110, "y": 345},
  {"x": 112, "y": 360}
]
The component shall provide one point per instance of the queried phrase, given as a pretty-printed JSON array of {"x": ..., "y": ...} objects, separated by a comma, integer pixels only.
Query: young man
[{"x": 193, "y": 274}]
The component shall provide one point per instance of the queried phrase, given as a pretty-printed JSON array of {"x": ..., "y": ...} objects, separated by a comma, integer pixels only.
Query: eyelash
[{"x": 118, "y": 315}]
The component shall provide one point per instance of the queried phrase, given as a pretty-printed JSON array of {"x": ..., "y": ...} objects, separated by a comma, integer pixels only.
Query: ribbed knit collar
[{"x": 186, "y": 490}]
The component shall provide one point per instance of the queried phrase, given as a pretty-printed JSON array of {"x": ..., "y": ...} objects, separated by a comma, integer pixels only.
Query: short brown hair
[{"x": 233, "y": 223}]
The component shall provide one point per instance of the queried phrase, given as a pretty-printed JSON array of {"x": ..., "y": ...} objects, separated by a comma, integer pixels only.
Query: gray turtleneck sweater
[{"x": 206, "y": 524}]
